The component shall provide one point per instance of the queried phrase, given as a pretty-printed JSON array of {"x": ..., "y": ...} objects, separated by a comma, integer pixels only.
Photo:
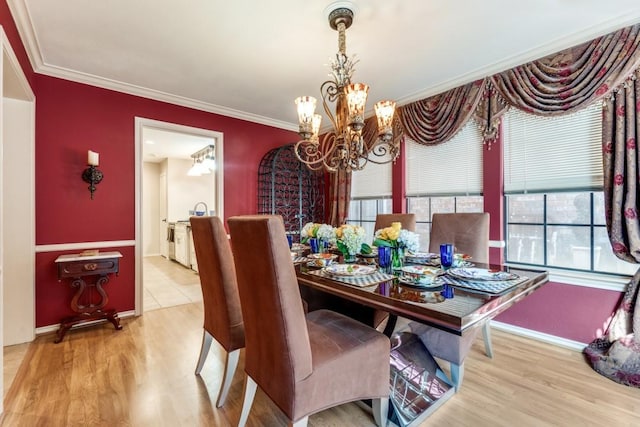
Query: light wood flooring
[{"x": 143, "y": 376}]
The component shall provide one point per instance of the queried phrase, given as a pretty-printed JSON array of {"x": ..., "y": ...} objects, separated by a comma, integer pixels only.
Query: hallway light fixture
[
  {"x": 344, "y": 147},
  {"x": 203, "y": 161},
  {"x": 92, "y": 175}
]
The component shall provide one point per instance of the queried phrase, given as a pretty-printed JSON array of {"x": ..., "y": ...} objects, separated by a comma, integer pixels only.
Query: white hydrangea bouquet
[
  {"x": 350, "y": 239},
  {"x": 324, "y": 232}
]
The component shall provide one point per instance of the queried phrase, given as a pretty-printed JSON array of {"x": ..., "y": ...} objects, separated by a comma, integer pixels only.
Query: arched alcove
[{"x": 288, "y": 188}]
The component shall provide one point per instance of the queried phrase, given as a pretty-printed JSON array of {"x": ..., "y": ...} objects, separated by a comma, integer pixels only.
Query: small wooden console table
[{"x": 84, "y": 302}]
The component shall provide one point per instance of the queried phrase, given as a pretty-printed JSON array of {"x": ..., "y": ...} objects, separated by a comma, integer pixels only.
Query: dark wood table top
[{"x": 456, "y": 315}]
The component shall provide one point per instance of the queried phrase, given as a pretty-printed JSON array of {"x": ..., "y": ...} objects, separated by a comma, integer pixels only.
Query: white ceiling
[{"x": 250, "y": 59}]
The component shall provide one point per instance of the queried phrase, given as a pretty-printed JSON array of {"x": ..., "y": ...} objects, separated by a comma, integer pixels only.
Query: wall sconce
[{"x": 92, "y": 174}]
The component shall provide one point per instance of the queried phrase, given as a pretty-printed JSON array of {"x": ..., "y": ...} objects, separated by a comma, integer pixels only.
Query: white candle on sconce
[{"x": 93, "y": 158}]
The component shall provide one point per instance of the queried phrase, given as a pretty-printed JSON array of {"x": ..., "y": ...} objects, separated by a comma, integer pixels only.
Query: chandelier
[{"x": 347, "y": 146}]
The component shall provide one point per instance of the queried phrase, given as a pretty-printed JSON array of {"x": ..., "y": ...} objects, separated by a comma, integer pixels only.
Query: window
[
  {"x": 553, "y": 189},
  {"x": 561, "y": 230},
  {"x": 444, "y": 178},
  {"x": 363, "y": 212},
  {"x": 424, "y": 207},
  {"x": 370, "y": 195}
]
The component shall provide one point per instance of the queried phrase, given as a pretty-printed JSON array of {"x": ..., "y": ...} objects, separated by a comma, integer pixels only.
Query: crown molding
[{"x": 156, "y": 95}]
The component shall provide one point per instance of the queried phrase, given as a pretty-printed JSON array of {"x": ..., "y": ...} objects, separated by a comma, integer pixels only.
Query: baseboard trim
[
  {"x": 539, "y": 336},
  {"x": 53, "y": 328}
]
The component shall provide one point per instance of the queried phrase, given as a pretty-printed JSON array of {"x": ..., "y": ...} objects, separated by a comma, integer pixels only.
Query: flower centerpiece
[
  {"x": 350, "y": 240},
  {"x": 399, "y": 240},
  {"x": 323, "y": 232}
]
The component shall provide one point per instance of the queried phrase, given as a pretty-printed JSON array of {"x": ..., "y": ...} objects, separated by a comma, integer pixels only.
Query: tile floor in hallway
[{"x": 168, "y": 283}]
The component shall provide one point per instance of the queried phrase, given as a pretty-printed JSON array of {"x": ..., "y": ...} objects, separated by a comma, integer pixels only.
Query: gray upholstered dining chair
[
  {"x": 303, "y": 363},
  {"x": 222, "y": 313},
  {"x": 408, "y": 220},
  {"x": 469, "y": 233}
]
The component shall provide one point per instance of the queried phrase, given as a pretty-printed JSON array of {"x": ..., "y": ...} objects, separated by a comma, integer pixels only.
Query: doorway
[{"x": 165, "y": 198}]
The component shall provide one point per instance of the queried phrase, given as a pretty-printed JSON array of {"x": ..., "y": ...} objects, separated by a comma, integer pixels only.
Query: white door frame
[
  {"x": 140, "y": 125},
  {"x": 16, "y": 90}
]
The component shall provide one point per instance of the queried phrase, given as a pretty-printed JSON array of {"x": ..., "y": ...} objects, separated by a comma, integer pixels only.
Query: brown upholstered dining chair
[
  {"x": 408, "y": 221},
  {"x": 222, "y": 313},
  {"x": 304, "y": 364}
]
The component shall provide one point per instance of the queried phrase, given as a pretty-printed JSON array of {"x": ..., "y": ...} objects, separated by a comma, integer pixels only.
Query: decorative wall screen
[{"x": 288, "y": 188}]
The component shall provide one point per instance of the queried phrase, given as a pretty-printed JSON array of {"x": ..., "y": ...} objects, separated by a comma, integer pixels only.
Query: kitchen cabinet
[
  {"x": 192, "y": 252},
  {"x": 182, "y": 245}
]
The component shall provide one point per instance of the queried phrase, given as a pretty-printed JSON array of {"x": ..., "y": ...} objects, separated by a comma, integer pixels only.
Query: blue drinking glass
[
  {"x": 314, "y": 243},
  {"x": 447, "y": 291},
  {"x": 384, "y": 258},
  {"x": 446, "y": 255},
  {"x": 290, "y": 240}
]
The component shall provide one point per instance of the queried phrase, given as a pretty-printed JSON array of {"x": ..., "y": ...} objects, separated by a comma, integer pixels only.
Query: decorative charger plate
[
  {"x": 481, "y": 274},
  {"x": 349, "y": 269}
]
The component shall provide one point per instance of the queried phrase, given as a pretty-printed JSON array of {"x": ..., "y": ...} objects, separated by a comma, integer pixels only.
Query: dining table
[
  {"x": 447, "y": 314},
  {"x": 457, "y": 319}
]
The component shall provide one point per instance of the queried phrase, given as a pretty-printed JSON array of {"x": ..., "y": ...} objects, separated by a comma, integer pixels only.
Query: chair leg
[
  {"x": 302, "y": 422},
  {"x": 229, "y": 370},
  {"x": 250, "y": 387},
  {"x": 486, "y": 333},
  {"x": 204, "y": 350},
  {"x": 457, "y": 372},
  {"x": 380, "y": 408}
]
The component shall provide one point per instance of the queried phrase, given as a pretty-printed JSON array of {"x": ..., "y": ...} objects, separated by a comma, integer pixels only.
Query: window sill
[{"x": 609, "y": 282}]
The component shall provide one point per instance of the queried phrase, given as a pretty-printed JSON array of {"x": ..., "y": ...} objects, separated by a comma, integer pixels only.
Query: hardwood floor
[{"x": 143, "y": 376}]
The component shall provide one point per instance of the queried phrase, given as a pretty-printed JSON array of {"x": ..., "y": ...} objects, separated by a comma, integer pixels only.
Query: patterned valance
[
  {"x": 437, "y": 119},
  {"x": 557, "y": 84}
]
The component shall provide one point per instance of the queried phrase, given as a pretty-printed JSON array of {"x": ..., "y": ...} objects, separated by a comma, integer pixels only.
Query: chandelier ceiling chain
[{"x": 347, "y": 146}]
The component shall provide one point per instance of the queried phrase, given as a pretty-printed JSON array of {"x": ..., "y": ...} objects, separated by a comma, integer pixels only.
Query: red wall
[
  {"x": 572, "y": 312},
  {"x": 72, "y": 118}
]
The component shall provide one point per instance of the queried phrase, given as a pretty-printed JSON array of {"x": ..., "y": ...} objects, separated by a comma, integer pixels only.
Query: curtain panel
[
  {"x": 339, "y": 197},
  {"x": 617, "y": 354}
]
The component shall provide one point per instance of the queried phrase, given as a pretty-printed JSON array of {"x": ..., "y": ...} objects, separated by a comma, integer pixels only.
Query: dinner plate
[
  {"x": 425, "y": 255},
  {"x": 404, "y": 280},
  {"x": 349, "y": 269},
  {"x": 371, "y": 255},
  {"x": 481, "y": 274},
  {"x": 420, "y": 270}
]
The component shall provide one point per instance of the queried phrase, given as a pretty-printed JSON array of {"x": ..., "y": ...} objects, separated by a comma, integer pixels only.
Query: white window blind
[
  {"x": 547, "y": 154},
  {"x": 450, "y": 168},
  {"x": 372, "y": 181}
]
